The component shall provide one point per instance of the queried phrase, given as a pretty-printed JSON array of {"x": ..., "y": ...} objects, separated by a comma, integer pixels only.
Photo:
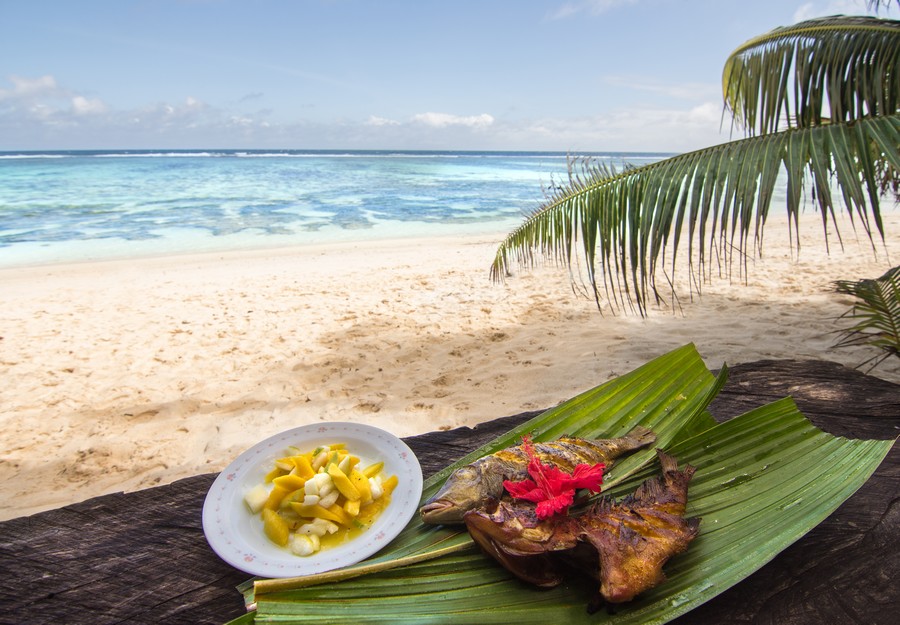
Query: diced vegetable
[
  {"x": 303, "y": 467},
  {"x": 389, "y": 484},
  {"x": 271, "y": 475},
  {"x": 285, "y": 464},
  {"x": 256, "y": 498},
  {"x": 297, "y": 495},
  {"x": 352, "y": 508},
  {"x": 275, "y": 497},
  {"x": 304, "y": 545},
  {"x": 375, "y": 487},
  {"x": 330, "y": 499},
  {"x": 319, "y": 498},
  {"x": 361, "y": 482}
]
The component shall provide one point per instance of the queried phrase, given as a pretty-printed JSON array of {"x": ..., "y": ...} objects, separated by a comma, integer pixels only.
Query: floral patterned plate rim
[{"x": 236, "y": 535}]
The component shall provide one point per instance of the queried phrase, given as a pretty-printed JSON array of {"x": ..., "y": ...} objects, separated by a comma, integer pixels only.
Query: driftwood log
[{"x": 142, "y": 558}]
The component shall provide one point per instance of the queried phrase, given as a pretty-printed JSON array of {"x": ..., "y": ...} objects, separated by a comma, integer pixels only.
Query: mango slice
[
  {"x": 361, "y": 482},
  {"x": 275, "y": 527},
  {"x": 289, "y": 482},
  {"x": 324, "y": 487},
  {"x": 343, "y": 483},
  {"x": 373, "y": 469}
]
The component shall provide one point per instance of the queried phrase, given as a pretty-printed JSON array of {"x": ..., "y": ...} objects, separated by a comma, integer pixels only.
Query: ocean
[{"x": 72, "y": 206}]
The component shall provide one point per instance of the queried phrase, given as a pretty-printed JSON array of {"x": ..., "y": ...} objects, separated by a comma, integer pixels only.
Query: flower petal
[
  {"x": 551, "y": 488},
  {"x": 526, "y": 489},
  {"x": 588, "y": 476},
  {"x": 550, "y": 507}
]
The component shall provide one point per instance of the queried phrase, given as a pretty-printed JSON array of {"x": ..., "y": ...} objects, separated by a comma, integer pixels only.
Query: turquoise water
[{"x": 94, "y": 205}]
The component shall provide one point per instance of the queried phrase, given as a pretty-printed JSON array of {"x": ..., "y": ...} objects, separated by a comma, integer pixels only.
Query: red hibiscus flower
[{"x": 552, "y": 489}]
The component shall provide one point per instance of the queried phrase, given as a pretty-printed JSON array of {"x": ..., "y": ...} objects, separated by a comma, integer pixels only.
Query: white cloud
[
  {"x": 374, "y": 120},
  {"x": 30, "y": 90},
  {"x": 87, "y": 106},
  {"x": 40, "y": 114},
  {"x": 594, "y": 7},
  {"x": 190, "y": 110},
  {"x": 628, "y": 129},
  {"x": 443, "y": 120},
  {"x": 44, "y": 100}
]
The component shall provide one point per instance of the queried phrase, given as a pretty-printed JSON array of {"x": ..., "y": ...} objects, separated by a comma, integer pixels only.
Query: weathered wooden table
[{"x": 142, "y": 558}]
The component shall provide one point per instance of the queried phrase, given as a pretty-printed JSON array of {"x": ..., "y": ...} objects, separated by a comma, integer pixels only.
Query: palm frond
[
  {"x": 876, "y": 315},
  {"x": 843, "y": 68},
  {"x": 820, "y": 104},
  {"x": 718, "y": 198}
]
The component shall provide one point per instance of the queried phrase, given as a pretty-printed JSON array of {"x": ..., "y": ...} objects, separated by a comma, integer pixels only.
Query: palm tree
[{"x": 819, "y": 104}]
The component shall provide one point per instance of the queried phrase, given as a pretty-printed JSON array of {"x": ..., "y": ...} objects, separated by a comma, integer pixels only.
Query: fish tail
[{"x": 641, "y": 435}]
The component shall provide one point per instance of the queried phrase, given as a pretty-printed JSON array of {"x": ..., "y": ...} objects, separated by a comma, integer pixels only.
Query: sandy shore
[{"x": 123, "y": 375}]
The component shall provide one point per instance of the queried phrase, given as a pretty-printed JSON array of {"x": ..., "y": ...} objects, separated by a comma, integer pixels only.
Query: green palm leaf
[
  {"x": 718, "y": 198},
  {"x": 876, "y": 314},
  {"x": 764, "y": 479},
  {"x": 844, "y": 68},
  {"x": 820, "y": 102}
]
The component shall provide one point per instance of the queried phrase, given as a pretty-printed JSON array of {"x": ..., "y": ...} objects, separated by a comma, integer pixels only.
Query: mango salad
[{"x": 320, "y": 498}]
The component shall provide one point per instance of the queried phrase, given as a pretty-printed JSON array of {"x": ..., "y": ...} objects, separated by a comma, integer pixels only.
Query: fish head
[
  {"x": 463, "y": 491},
  {"x": 497, "y": 528},
  {"x": 514, "y": 528}
]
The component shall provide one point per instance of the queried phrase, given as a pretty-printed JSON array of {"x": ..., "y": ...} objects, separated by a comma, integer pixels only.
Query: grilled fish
[
  {"x": 636, "y": 537},
  {"x": 624, "y": 545},
  {"x": 475, "y": 484},
  {"x": 511, "y": 533}
]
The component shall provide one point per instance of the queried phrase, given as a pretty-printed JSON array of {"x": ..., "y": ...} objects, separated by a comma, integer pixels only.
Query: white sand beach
[{"x": 122, "y": 375}]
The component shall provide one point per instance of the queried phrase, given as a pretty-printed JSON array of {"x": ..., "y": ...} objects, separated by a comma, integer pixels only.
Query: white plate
[{"x": 236, "y": 535}]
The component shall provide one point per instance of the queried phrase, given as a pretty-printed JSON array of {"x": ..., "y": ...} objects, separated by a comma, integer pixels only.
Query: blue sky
[{"x": 570, "y": 75}]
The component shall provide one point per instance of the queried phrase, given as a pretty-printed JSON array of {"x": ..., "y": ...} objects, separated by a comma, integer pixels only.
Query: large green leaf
[
  {"x": 820, "y": 105},
  {"x": 764, "y": 479},
  {"x": 715, "y": 201},
  {"x": 843, "y": 68}
]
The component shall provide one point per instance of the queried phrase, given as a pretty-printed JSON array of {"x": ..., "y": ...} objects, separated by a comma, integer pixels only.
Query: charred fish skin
[
  {"x": 515, "y": 528},
  {"x": 473, "y": 485},
  {"x": 636, "y": 537},
  {"x": 623, "y": 545},
  {"x": 520, "y": 542}
]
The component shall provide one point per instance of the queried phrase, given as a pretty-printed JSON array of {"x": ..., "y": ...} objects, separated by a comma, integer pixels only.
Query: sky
[{"x": 562, "y": 75}]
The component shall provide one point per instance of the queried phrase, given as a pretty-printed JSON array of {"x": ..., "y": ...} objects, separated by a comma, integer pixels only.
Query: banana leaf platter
[{"x": 763, "y": 480}]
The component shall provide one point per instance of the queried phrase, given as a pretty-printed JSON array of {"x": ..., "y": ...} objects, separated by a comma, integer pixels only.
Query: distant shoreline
[
  {"x": 330, "y": 152},
  {"x": 77, "y": 206}
]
